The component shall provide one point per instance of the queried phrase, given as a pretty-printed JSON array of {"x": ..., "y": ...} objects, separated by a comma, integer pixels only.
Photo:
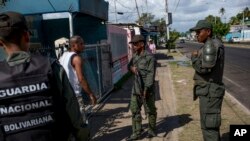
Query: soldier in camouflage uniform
[
  {"x": 208, "y": 63},
  {"x": 142, "y": 65}
]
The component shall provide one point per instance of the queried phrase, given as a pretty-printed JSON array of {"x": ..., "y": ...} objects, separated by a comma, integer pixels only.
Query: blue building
[
  {"x": 238, "y": 31},
  {"x": 82, "y": 17}
]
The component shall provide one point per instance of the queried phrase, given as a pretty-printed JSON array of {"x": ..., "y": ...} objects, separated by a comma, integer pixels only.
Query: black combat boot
[
  {"x": 151, "y": 134},
  {"x": 152, "y": 126},
  {"x": 136, "y": 128}
]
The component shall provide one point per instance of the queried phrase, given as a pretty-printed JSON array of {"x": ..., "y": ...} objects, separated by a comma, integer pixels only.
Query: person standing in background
[
  {"x": 151, "y": 46},
  {"x": 73, "y": 63}
]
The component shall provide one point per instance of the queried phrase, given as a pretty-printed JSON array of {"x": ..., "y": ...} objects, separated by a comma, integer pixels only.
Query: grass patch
[{"x": 182, "y": 77}]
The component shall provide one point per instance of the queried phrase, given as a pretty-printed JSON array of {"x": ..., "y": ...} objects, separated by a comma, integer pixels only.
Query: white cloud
[{"x": 185, "y": 15}]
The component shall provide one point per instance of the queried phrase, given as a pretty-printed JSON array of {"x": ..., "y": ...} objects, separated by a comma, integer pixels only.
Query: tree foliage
[
  {"x": 219, "y": 29},
  {"x": 222, "y": 11},
  {"x": 174, "y": 35},
  {"x": 238, "y": 19},
  {"x": 145, "y": 19},
  {"x": 161, "y": 24}
]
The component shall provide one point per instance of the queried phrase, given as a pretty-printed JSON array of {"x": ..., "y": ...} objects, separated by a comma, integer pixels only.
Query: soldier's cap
[
  {"x": 137, "y": 38},
  {"x": 10, "y": 21},
  {"x": 202, "y": 24}
]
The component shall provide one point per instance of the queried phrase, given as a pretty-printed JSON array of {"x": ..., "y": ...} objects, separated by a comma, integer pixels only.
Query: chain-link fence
[
  {"x": 97, "y": 66},
  {"x": 98, "y": 69}
]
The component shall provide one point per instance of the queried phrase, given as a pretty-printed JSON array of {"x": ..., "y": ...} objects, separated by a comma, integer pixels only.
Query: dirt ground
[{"x": 177, "y": 113}]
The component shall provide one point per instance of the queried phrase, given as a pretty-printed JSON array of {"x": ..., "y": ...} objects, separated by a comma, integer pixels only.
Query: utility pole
[
  {"x": 243, "y": 27},
  {"x": 167, "y": 20},
  {"x": 137, "y": 10},
  {"x": 115, "y": 12}
]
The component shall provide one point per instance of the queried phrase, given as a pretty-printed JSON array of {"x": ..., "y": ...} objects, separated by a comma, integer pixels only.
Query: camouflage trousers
[
  {"x": 135, "y": 106},
  {"x": 82, "y": 108}
]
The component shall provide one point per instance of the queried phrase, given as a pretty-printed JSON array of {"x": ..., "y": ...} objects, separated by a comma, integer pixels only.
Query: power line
[
  {"x": 177, "y": 5},
  {"x": 124, "y": 5},
  {"x": 115, "y": 12},
  {"x": 137, "y": 9}
]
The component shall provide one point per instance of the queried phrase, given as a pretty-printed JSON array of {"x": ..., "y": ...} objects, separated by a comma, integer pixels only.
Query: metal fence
[
  {"x": 98, "y": 69},
  {"x": 97, "y": 66}
]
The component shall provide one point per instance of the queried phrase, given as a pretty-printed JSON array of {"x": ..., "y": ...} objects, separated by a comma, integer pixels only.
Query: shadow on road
[
  {"x": 225, "y": 137},
  {"x": 170, "y": 123},
  {"x": 162, "y": 56},
  {"x": 166, "y": 125},
  {"x": 104, "y": 123},
  {"x": 157, "y": 91},
  {"x": 161, "y": 47}
]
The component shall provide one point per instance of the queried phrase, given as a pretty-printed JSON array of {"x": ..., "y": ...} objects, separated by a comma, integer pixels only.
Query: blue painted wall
[
  {"x": 232, "y": 34},
  {"x": 91, "y": 29},
  {"x": 40, "y": 6}
]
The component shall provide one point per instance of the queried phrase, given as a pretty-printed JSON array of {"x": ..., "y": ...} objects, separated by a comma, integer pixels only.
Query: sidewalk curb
[{"x": 233, "y": 100}]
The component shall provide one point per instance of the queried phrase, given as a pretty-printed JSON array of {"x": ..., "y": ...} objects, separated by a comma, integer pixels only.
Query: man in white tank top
[{"x": 72, "y": 63}]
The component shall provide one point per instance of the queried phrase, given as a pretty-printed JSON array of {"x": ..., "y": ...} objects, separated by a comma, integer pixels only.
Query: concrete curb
[{"x": 235, "y": 101}]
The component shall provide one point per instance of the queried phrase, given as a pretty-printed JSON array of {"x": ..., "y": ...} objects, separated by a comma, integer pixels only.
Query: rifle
[{"x": 140, "y": 98}]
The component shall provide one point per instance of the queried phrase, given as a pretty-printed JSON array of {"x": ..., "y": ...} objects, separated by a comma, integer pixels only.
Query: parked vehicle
[
  {"x": 182, "y": 41},
  {"x": 235, "y": 40}
]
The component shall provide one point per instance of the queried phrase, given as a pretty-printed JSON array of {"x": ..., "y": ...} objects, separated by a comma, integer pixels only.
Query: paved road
[{"x": 236, "y": 72}]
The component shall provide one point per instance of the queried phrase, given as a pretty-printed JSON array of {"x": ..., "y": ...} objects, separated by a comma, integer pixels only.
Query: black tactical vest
[
  {"x": 216, "y": 73},
  {"x": 27, "y": 110}
]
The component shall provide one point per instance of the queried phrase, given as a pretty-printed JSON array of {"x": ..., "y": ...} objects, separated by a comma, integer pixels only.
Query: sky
[{"x": 185, "y": 13}]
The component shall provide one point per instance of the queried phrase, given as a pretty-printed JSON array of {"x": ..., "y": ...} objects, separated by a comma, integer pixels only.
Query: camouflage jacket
[{"x": 145, "y": 64}]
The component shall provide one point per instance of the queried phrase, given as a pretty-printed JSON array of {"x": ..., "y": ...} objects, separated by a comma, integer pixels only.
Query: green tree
[
  {"x": 234, "y": 21},
  {"x": 247, "y": 12},
  {"x": 213, "y": 19},
  {"x": 161, "y": 26},
  {"x": 238, "y": 19},
  {"x": 219, "y": 29},
  {"x": 173, "y": 36},
  {"x": 146, "y": 18},
  {"x": 222, "y": 11}
]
